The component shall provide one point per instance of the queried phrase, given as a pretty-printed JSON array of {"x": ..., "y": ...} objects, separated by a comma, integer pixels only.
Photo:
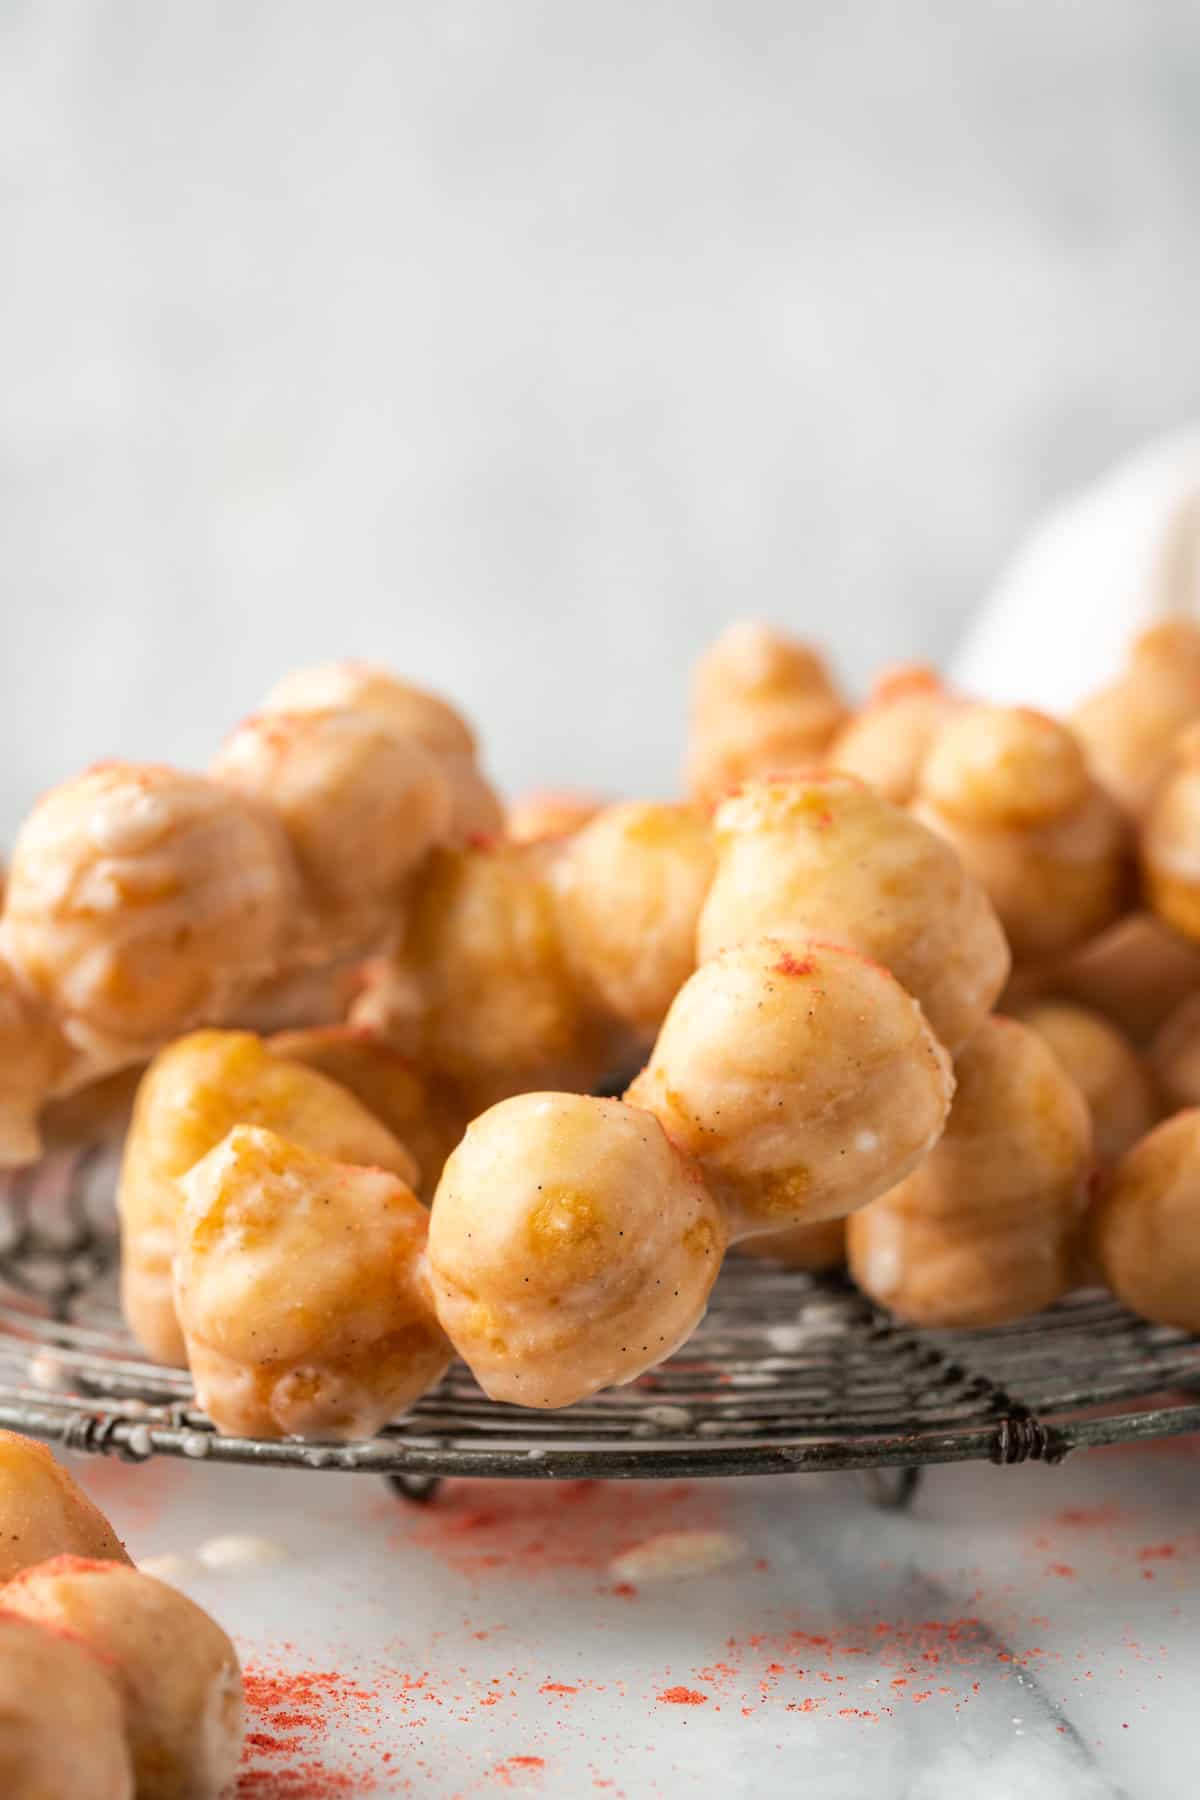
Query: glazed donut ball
[
  {"x": 1105, "y": 1068},
  {"x": 1170, "y": 846},
  {"x": 361, "y": 803},
  {"x": 804, "y": 1080},
  {"x": 1144, "y": 1231},
  {"x": 630, "y": 887},
  {"x": 62, "y": 1724},
  {"x": 549, "y": 813},
  {"x": 813, "y": 1248},
  {"x": 886, "y": 743},
  {"x": 1133, "y": 974},
  {"x": 827, "y": 858},
  {"x": 985, "y": 1229},
  {"x": 43, "y": 1512},
  {"x": 1010, "y": 789},
  {"x": 571, "y": 1247},
  {"x": 1129, "y": 729},
  {"x": 143, "y": 902},
  {"x": 431, "y": 721},
  {"x": 301, "y": 1292},
  {"x": 175, "y": 1670},
  {"x": 762, "y": 704},
  {"x": 194, "y": 1092},
  {"x": 31, "y": 1053},
  {"x": 494, "y": 1005}
]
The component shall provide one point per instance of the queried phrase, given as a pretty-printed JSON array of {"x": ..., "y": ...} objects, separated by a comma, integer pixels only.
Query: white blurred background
[{"x": 520, "y": 343}]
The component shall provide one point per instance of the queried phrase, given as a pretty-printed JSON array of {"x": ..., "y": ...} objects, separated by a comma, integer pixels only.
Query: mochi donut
[
  {"x": 301, "y": 1291},
  {"x": 194, "y": 1092},
  {"x": 803, "y": 1079},
  {"x": 571, "y": 1247},
  {"x": 985, "y": 1229}
]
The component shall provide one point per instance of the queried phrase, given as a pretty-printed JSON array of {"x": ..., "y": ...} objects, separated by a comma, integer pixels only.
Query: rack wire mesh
[{"x": 787, "y": 1373}]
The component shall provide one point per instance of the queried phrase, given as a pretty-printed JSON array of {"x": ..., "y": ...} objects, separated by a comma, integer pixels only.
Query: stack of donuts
[{"x": 913, "y": 985}]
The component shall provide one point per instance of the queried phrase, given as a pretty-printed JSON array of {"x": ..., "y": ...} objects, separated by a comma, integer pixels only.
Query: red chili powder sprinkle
[
  {"x": 1157, "y": 1552},
  {"x": 683, "y": 1696},
  {"x": 794, "y": 965},
  {"x": 1087, "y": 1518},
  {"x": 303, "y": 1781},
  {"x": 557, "y": 1687},
  {"x": 517, "y": 1765},
  {"x": 304, "y": 1704},
  {"x": 1063, "y": 1569}
]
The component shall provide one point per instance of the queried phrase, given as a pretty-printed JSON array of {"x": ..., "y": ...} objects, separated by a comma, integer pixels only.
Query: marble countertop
[{"x": 1026, "y": 1631}]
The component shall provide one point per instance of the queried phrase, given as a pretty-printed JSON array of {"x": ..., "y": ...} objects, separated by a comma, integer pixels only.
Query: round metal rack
[{"x": 786, "y": 1374}]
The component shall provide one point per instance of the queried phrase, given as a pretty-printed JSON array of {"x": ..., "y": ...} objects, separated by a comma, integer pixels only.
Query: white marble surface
[
  {"x": 1022, "y": 1634},
  {"x": 522, "y": 342}
]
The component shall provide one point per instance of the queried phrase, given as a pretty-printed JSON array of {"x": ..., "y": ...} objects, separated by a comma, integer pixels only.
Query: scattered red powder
[
  {"x": 1088, "y": 1518},
  {"x": 1157, "y": 1552},
  {"x": 682, "y": 1696},
  {"x": 517, "y": 1765},
  {"x": 557, "y": 1687},
  {"x": 304, "y": 1705},
  {"x": 794, "y": 965},
  {"x": 303, "y": 1781},
  {"x": 536, "y": 1528},
  {"x": 1064, "y": 1569}
]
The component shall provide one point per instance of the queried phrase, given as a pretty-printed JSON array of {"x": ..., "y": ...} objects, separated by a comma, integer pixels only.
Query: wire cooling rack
[{"x": 787, "y": 1373}]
